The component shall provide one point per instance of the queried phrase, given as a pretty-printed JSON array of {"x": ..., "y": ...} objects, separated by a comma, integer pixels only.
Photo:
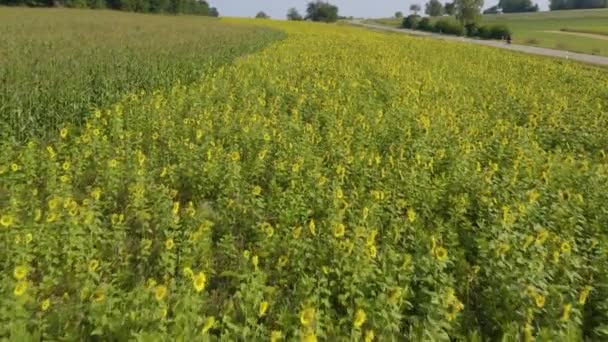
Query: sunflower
[
  {"x": 307, "y": 317},
  {"x": 160, "y": 292},
  {"x": 20, "y": 288},
  {"x": 263, "y": 308},
  {"x": 360, "y": 318},
  {"x": 441, "y": 253},
  {"x": 45, "y": 304},
  {"x": 7, "y": 220},
  {"x": 199, "y": 281},
  {"x": 411, "y": 215},
  {"x": 93, "y": 265},
  {"x": 339, "y": 230},
  {"x": 539, "y": 300},
  {"x": 169, "y": 244},
  {"x": 209, "y": 323},
  {"x": 275, "y": 336},
  {"x": 566, "y": 312},
  {"x": 20, "y": 272}
]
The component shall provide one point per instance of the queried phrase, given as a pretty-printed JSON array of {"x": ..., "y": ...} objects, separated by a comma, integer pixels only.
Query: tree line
[
  {"x": 315, "y": 11},
  {"x": 196, "y": 7},
  {"x": 577, "y": 4},
  {"x": 435, "y": 8}
]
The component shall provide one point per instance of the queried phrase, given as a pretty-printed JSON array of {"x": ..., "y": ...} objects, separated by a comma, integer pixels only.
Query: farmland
[
  {"x": 543, "y": 29},
  {"x": 57, "y": 65},
  {"x": 338, "y": 184}
]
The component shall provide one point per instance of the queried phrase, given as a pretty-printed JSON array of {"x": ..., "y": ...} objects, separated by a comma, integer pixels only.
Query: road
[{"x": 581, "y": 57}]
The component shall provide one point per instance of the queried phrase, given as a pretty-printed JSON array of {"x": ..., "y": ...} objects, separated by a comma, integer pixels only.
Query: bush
[
  {"x": 491, "y": 32},
  {"x": 483, "y": 32},
  {"x": 425, "y": 24},
  {"x": 499, "y": 31},
  {"x": 449, "y": 26},
  {"x": 472, "y": 29},
  {"x": 411, "y": 21}
]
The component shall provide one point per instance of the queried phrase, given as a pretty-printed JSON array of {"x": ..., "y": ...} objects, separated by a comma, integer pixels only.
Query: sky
[{"x": 357, "y": 8}]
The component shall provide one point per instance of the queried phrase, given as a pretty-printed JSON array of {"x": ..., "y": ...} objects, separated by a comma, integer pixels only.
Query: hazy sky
[{"x": 357, "y": 8}]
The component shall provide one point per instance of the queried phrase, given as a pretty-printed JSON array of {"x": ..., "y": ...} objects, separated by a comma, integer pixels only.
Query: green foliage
[
  {"x": 499, "y": 31},
  {"x": 262, "y": 15},
  {"x": 293, "y": 14},
  {"x": 448, "y": 26},
  {"x": 411, "y": 191},
  {"x": 468, "y": 11},
  {"x": 322, "y": 11},
  {"x": 415, "y": 8},
  {"x": 434, "y": 8},
  {"x": 411, "y": 21},
  {"x": 425, "y": 24},
  {"x": 195, "y": 7},
  {"x": 57, "y": 65},
  {"x": 398, "y": 14},
  {"x": 576, "y": 4},
  {"x": 450, "y": 8},
  {"x": 516, "y": 6},
  {"x": 540, "y": 29},
  {"x": 472, "y": 29},
  {"x": 487, "y": 31}
]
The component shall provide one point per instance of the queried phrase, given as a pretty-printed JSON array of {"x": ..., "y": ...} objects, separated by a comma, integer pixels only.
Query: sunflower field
[{"x": 338, "y": 185}]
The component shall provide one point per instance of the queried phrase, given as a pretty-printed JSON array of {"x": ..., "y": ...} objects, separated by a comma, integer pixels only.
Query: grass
[
  {"x": 533, "y": 26},
  {"x": 531, "y": 29},
  {"x": 592, "y": 30},
  {"x": 57, "y": 64}
]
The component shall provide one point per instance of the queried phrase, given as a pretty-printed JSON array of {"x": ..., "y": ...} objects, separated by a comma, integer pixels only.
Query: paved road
[{"x": 599, "y": 60}]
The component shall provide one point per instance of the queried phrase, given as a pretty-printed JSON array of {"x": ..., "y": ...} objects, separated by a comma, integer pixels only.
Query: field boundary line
[{"x": 580, "y": 34}]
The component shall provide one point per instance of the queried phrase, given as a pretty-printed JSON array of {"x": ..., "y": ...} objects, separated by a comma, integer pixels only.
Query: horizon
[{"x": 277, "y": 9}]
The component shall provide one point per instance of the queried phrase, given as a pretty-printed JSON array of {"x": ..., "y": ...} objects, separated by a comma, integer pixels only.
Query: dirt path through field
[
  {"x": 581, "y": 57},
  {"x": 580, "y": 34}
]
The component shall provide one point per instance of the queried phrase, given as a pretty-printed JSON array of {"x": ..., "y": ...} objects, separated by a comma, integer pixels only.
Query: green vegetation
[
  {"x": 338, "y": 185},
  {"x": 433, "y": 8},
  {"x": 262, "y": 15},
  {"x": 322, "y": 11},
  {"x": 452, "y": 26},
  {"x": 543, "y": 29},
  {"x": 56, "y": 64},
  {"x": 293, "y": 14},
  {"x": 591, "y": 30},
  {"x": 515, "y": 6},
  {"x": 195, "y": 7},
  {"x": 577, "y": 4}
]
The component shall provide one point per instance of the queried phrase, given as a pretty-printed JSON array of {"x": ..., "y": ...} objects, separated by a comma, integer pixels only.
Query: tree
[
  {"x": 262, "y": 15},
  {"x": 197, "y": 7},
  {"x": 411, "y": 21},
  {"x": 214, "y": 12},
  {"x": 468, "y": 11},
  {"x": 398, "y": 14},
  {"x": 449, "y": 8},
  {"x": 415, "y": 8},
  {"x": 576, "y": 4},
  {"x": 433, "y": 8},
  {"x": 515, "y": 6},
  {"x": 293, "y": 14},
  {"x": 159, "y": 6},
  {"x": 322, "y": 11}
]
